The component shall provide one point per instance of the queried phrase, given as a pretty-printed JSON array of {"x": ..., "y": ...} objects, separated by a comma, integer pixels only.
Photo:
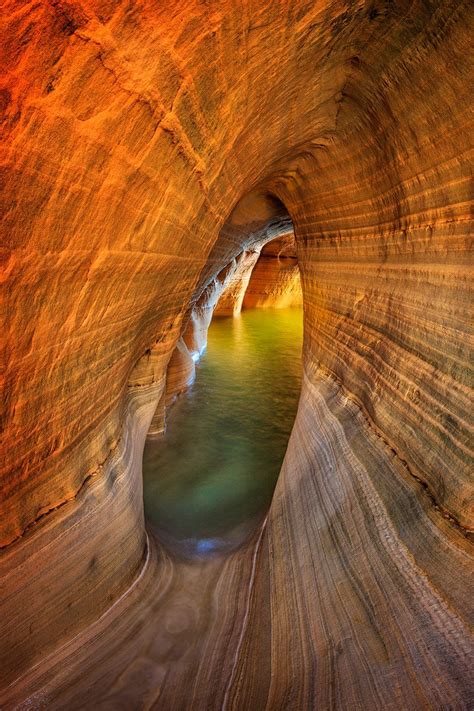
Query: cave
[
  {"x": 209, "y": 482},
  {"x": 167, "y": 166}
]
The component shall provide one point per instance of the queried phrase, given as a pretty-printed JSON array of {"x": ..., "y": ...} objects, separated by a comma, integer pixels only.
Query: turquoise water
[{"x": 209, "y": 480}]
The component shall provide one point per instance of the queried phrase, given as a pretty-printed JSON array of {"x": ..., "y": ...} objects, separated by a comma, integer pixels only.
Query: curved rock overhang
[{"x": 131, "y": 132}]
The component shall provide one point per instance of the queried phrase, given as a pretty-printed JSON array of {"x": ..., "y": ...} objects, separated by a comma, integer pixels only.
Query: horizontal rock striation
[
  {"x": 95, "y": 540},
  {"x": 144, "y": 148}
]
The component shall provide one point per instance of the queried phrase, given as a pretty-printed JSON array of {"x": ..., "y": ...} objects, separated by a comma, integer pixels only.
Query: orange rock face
[
  {"x": 145, "y": 146},
  {"x": 275, "y": 281}
]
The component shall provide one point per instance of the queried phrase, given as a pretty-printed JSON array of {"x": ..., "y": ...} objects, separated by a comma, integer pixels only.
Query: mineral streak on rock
[{"x": 145, "y": 146}]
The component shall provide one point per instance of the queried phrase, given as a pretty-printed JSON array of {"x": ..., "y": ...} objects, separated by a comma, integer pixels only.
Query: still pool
[{"x": 209, "y": 480}]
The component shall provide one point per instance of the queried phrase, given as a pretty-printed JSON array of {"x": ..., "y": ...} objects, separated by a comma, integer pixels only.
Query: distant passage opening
[{"x": 209, "y": 480}]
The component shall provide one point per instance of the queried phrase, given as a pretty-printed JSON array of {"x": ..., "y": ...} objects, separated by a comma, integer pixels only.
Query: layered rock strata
[
  {"x": 382, "y": 564},
  {"x": 179, "y": 376},
  {"x": 144, "y": 148}
]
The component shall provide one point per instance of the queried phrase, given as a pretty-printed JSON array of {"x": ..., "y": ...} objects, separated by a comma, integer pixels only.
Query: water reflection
[{"x": 209, "y": 480}]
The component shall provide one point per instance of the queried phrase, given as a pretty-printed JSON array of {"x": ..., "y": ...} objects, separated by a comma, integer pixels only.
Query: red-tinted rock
[{"x": 144, "y": 147}]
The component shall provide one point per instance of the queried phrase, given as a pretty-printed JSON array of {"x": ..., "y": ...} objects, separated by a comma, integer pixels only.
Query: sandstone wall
[
  {"x": 275, "y": 281},
  {"x": 130, "y": 133}
]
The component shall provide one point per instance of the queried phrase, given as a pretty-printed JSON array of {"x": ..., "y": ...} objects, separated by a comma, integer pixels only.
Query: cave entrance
[{"x": 209, "y": 480}]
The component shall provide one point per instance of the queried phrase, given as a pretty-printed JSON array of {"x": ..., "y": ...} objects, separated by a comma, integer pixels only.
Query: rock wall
[
  {"x": 232, "y": 296},
  {"x": 145, "y": 146},
  {"x": 223, "y": 296},
  {"x": 275, "y": 281}
]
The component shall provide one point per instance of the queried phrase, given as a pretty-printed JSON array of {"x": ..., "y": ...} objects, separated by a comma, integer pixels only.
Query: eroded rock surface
[
  {"x": 275, "y": 280},
  {"x": 144, "y": 147}
]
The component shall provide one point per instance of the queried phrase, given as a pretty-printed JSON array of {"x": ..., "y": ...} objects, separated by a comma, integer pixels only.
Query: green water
[{"x": 209, "y": 480}]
